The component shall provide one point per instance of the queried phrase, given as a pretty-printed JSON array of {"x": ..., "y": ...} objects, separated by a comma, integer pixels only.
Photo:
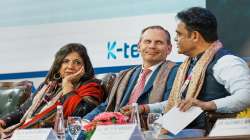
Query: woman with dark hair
[{"x": 70, "y": 82}]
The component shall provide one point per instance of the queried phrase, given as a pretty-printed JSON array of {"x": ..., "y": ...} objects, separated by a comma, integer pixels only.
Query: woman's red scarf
[{"x": 91, "y": 89}]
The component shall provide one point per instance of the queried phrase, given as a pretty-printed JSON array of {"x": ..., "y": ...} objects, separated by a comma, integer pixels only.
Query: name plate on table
[
  {"x": 34, "y": 134},
  {"x": 117, "y": 132},
  {"x": 231, "y": 127}
]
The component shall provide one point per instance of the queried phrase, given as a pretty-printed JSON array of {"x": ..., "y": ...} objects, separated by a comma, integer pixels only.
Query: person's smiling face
[{"x": 153, "y": 46}]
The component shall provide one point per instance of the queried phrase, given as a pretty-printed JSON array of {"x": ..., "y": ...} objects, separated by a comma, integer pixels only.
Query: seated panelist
[
  {"x": 149, "y": 82},
  {"x": 70, "y": 82}
]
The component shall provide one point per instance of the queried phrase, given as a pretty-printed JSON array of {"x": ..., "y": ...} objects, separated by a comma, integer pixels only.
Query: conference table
[{"x": 238, "y": 137}]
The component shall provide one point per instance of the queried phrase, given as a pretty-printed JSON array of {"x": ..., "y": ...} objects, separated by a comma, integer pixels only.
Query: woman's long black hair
[{"x": 62, "y": 53}]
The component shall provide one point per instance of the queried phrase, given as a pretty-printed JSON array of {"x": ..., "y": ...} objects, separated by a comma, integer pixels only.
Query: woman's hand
[
  {"x": 74, "y": 77},
  {"x": 184, "y": 105},
  {"x": 67, "y": 82}
]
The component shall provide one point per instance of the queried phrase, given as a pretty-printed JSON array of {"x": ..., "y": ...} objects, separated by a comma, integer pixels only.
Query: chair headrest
[
  {"x": 12, "y": 95},
  {"x": 27, "y": 84}
]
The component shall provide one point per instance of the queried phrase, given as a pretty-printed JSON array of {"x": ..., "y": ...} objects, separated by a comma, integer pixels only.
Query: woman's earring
[{"x": 57, "y": 76}]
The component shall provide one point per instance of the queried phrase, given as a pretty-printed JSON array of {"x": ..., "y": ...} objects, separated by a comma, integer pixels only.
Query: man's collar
[
  {"x": 154, "y": 67},
  {"x": 196, "y": 58}
]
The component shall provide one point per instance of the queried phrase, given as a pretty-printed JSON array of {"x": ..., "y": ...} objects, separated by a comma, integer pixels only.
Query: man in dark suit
[{"x": 133, "y": 85}]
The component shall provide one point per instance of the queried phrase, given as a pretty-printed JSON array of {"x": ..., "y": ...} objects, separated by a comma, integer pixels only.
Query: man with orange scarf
[{"x": 211, "y": 77}]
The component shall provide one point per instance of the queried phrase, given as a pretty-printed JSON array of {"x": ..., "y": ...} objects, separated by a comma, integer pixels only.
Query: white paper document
[{"x": 175, "y": 120}]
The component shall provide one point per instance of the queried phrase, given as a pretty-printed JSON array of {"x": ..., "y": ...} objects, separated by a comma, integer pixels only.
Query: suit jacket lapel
[{"x": 131, "y": 85}]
